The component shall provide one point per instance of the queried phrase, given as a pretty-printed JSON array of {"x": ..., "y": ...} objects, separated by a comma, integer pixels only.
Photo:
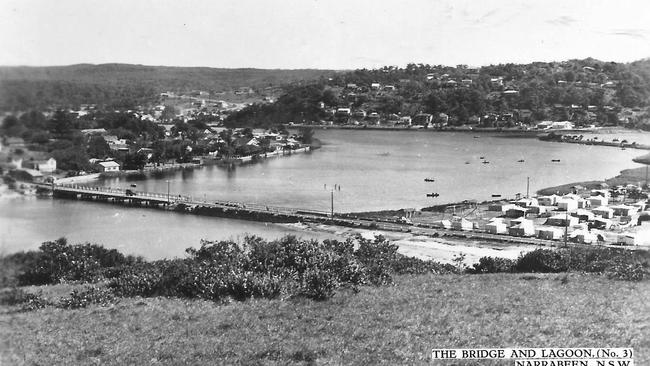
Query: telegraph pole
[
  {"x": 566, "y": 227},
  {"x": 527, "y": 186},
  {"x": 332, "y": 195}
]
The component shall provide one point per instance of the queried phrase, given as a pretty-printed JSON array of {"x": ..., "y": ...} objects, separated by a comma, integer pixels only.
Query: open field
[{"x": 379, "y": 325}]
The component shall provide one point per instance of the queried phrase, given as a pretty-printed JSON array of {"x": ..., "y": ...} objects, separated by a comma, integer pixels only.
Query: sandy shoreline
[{"x": 429, "y": 248}]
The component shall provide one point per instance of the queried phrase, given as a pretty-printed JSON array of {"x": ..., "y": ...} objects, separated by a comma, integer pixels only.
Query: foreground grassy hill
[{"x": 379, "y": 325}]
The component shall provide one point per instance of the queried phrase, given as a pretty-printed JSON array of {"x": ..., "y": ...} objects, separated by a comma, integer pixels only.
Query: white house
[
  {"x": 527, "y": 202},
  {"x": 624, "y": 210},
  {"x": 342, "y": 112},
  {"x": 496, "y": 227},
  {"x": 108, "y": 166},
  {"x": 516, "y": 211},
  {"x": 583, "y": 236},
  {"x": 567, "y": 204},
  {"x": 524, "y": 228},
  {"x": 500, "y": 206},
  {"x": 602, "y": 223},
  {"x": 563, "y": 125},
  {"x": 549, "y": 233},
  {"x": 600, "y": 192},
  {"x": 45, "y": 166},
  {"x": 462, "y": 224},
  {"x": 537, "y": 210},
  {"x": 634, "y": 238},
  {"x": 547, "y": 200},
  {"x": 406, "y": 120},
  {"x": 581, "y": 202},
  {"x": 604, "y": 211},
  {"x": 597, "y": 201},
  {"x": 445, "y": 224},
  {"x": 583, "y": 215},
  {"x": 562, "y": 220}
]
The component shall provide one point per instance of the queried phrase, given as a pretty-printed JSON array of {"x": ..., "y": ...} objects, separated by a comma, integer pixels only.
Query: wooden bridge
[
  {"x": 260, "y": 212},
  {"x": 185, "y": 203}
]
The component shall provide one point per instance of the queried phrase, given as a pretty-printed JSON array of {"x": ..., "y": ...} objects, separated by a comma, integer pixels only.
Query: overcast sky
[{"x": 332, "y": 34}]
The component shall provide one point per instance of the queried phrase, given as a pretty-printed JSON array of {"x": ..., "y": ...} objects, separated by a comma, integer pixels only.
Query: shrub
[
  {"x": 377, "y": 258},
  {"x": 615, "y": 263},
  {"x": 627, "y": 272},
  {"x": 27, "y": 301},
  {"x": 139, "y": 280},
  {"x": 225, "y": 269},
  {"x": 58, "y": 261},
  {"x": 543, "y": 261},
  {"x": 493, "y": 265},
  {"x": 319, "y": 284},
  {"x": 415, "y": 266},
  {"x": 87, "y": 296},
  {"x": 13, "y": 265},
  {"x": 248, "y": 284}
]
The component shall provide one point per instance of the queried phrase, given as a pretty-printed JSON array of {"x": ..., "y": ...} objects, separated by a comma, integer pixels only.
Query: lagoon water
[{"x": 374, "y": 169}]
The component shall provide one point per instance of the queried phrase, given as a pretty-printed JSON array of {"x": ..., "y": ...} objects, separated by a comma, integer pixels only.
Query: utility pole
[
  {"x": 566, "y": 227},
  {"x": 332, "y": 195},
  {"x": 527, "y": 186},
  {"x": 167, "y": 191}
]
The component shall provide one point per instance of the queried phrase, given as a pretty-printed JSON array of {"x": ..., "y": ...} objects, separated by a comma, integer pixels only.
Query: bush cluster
[
  {"x": 57, "y": 261},
  {"x": 221, "y": 270},
  {"x": 270, "y": 269},
  {"x": 77, "y": 299},
  {"x": 613, "y": 262},
  {"x": 89, "y": 295},
  {"x": 27, "y": 301}
]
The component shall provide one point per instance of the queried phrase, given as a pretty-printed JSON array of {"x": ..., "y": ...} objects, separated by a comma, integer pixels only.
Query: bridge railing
[
  {"x": 187, "y": 199},
  {"x": 121, "y": 192}
]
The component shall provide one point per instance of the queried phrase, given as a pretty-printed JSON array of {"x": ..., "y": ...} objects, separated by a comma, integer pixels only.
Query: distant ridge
[
  {"x": 96, "y": 73},
  {"x": 25, "y": 87}
]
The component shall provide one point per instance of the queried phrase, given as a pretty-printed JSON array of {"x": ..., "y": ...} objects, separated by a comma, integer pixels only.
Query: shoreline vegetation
[
  {"x": 572, "y": 136},
  {"x": 165, "y": 167}
]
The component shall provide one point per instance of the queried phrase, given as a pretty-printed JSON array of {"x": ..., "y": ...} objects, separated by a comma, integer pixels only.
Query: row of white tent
[
  {"x": 568, "y": 203},
  {"x": 526, "y": 228}
]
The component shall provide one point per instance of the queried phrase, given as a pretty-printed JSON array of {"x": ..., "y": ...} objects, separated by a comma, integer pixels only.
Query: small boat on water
[
  {"x": 555, "y": 160},
  {"x": 486, "y": 162},
  {"x": 521, "y": 160},
  {"x": 429, "y": 180},
  {"x": 433, "y": 194},
  {"x": 482, "y": 157},
  {"x": 384, "y": 154},
  {"x": 496, "y": 195},
  {"x": 134, "y": 185},
  {"x": 467, "y": 162}
]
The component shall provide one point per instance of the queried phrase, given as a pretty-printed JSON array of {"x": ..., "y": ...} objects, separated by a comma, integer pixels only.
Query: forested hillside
[
  {"x": 123, "y": 85},
  {"x": 583, "y": 91}
]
